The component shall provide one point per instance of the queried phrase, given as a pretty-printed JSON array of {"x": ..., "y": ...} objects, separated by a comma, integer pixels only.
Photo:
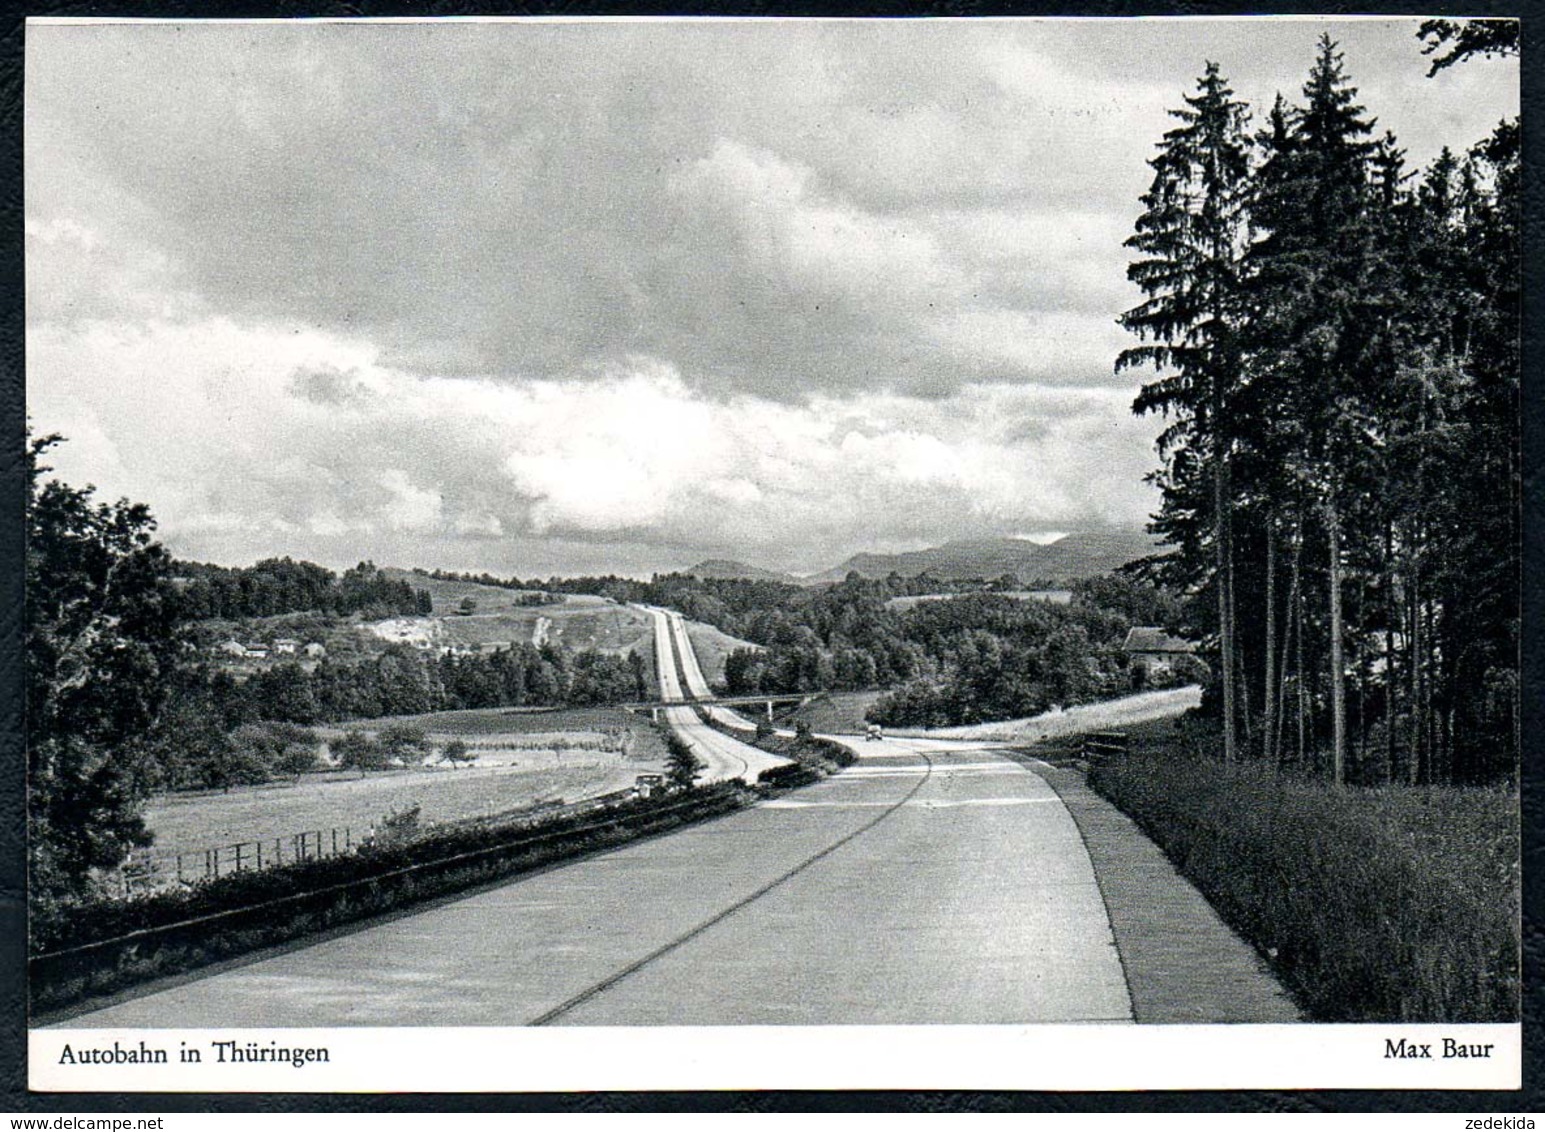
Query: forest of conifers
[{"x": 1336, "y": 342}]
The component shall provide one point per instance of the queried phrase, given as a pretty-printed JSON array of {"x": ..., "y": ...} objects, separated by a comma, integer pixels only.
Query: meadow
[
  {"x": 523, "y": 757},
  {"x": 520, "y": 722},
  {"x": 711, "y": 646}
]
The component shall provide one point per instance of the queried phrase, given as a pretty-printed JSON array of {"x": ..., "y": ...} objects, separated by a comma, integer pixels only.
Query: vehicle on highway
[{"x": 873, "y": 732}]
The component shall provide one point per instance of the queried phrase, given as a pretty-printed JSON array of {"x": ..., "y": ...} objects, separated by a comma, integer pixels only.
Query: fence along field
[
  {"x": 522, "y": 759},
  {"x": 107, "y": 945},
  {"x": 147, "y": 870}
]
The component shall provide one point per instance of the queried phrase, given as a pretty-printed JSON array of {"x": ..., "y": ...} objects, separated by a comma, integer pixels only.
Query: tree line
[
  {"x": 209, "y": 757},
  {"x": 961, "y": 659},
  {"x": 1336, "y": 340},
  {"x": 215, "y": 730},
  {"x": 404, "y": 681},
  {"x": 977, "y": 655},
  {"x": 282, "y": 585}
]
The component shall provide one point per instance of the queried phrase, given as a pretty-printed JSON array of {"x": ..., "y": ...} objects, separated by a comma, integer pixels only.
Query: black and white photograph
[{"x": 588, "y": 553}]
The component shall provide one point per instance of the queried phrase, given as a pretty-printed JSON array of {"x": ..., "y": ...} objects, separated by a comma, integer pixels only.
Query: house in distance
[{"x": 1153, "y": 656}]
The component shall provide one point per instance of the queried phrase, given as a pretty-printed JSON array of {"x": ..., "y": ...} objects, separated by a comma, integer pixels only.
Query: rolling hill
[{"x": 739, "y": 571}]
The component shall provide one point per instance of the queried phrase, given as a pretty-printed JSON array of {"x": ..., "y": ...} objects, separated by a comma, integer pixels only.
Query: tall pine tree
[
  {"x": 1193, "y": 236},
  {"x": 1314, "y": 327}
]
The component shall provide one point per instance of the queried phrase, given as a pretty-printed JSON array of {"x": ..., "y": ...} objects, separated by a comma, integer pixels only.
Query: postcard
[{"x": 694, "y": 553}]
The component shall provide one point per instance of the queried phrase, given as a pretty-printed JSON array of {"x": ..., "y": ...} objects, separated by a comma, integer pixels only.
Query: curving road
[
  {"x": 931, "y": 882},
  {"x": 926, "y": 883},
  {"x": 723, "y": 757}
]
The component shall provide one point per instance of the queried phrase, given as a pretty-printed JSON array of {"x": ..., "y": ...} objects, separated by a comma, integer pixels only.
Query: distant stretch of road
[
  {"x": 697, "y": 685},
  {"x": 722, "y": 756}
]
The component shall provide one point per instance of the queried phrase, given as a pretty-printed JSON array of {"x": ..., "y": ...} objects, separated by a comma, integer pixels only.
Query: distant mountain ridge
[
  {"x": 725, "y": 568},
  {"x": 1083, "y": 554}
]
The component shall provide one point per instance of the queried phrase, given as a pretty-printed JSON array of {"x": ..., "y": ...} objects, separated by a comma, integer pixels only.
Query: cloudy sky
[{"x": 551, "y": 297}]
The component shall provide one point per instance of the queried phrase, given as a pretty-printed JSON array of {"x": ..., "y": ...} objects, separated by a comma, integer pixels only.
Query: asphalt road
[
  {"x": 929, "y": 883},
  {"x": 696, "y": 683},
  {"x": 722, "y": 757}
]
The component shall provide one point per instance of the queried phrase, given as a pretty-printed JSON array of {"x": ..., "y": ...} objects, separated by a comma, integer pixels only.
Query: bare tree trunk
[
  {"x": 1391, "y": 615},
  {"x": 1269, "y": 692},
  {"x": 1432, "y": 678},
  {"x": 1242, "y": 694},
  {"x": 1360, "y": 705},
  {"x": 1414, "y": 660},
  {"x": 1291, "y": 629},
  {"x": 1225, "y": 570},
  {"x": 1338, "y": 707},
  {"x": 1298, "y": 646}
]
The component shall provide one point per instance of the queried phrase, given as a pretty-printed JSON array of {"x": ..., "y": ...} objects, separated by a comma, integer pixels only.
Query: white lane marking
[
  {"x": 938, "y": 768},
  {"x": 921, "y": 803}
]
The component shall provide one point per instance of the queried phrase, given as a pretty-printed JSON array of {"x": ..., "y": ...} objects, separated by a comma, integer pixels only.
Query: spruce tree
[
  {"x": 1192, "y": 236},
  {"x": 1314, "y": 328}
]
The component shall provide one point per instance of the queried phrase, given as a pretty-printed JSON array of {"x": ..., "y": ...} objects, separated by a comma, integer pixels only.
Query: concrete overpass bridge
[{"x": 765, "y": 702}]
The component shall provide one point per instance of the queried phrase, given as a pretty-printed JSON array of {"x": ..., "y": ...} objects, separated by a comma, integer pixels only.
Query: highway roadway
[
  {"x": 934, "y": 881},
  {"x": 697, "y": 684},
  {"x": 928, "y": 883},
  {"x": 722, "y": 756}
]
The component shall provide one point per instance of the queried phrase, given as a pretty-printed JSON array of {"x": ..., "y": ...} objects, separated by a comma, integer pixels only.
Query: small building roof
[{"x": 1151, "y": 638}]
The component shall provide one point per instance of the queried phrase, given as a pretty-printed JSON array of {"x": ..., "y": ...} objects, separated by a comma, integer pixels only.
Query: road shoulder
[{"x": 1183, "y": 964}]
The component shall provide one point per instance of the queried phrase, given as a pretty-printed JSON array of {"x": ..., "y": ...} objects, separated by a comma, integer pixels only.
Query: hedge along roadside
[
  {"x": 814, "y": 758},
  {"x": 100, "y": 948}
]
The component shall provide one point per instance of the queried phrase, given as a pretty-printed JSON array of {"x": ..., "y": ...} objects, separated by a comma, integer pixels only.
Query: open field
[
  {"x": 496, "y": 732},
  {"x": 483, "y": 723},
  {"x": 189, "y": 822},
  {"x": 594, "y": 623},
  {"x": 447, "y": 595},
  {"x": 843, "y": 713},
  {"x": 840, "y": 713},
  {"x": 1124, "y": 712},
  {"x": 523, "y": 757},
  {"x": 712, "y": 646},
  {"x": 580, "y": 622}
]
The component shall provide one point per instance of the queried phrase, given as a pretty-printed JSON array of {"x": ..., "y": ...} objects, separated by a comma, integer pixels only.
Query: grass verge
[
  {"x": 811, "y": 759},
  {"x": 1397, "y": 904}
]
